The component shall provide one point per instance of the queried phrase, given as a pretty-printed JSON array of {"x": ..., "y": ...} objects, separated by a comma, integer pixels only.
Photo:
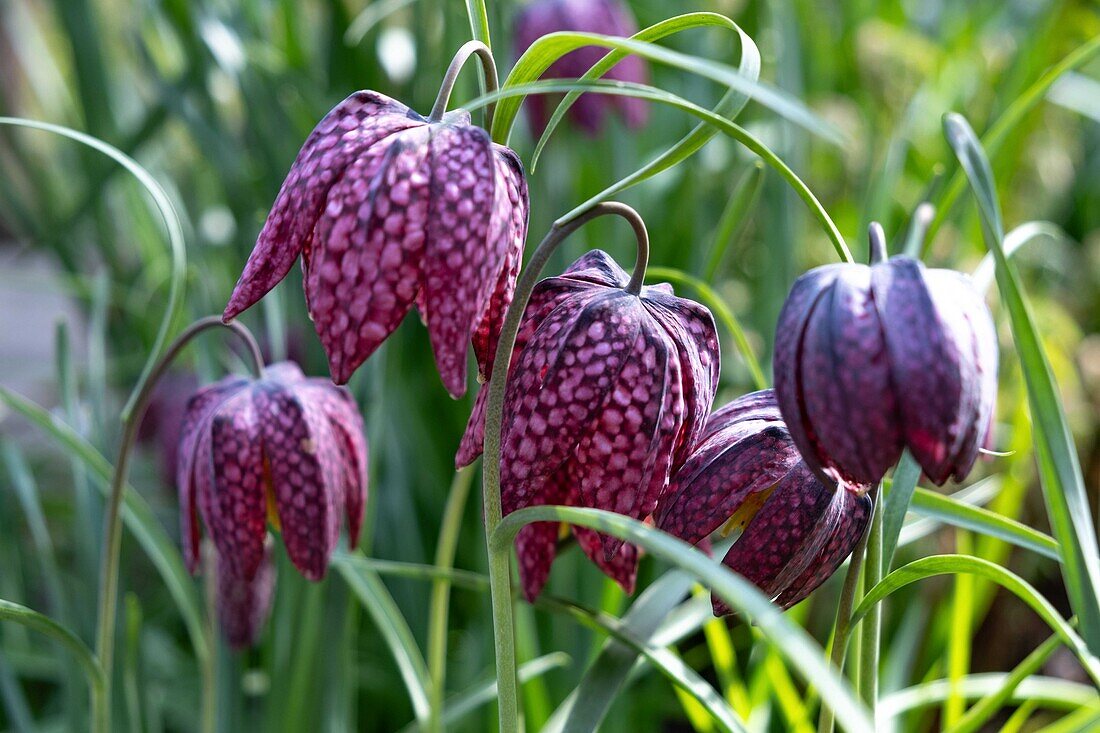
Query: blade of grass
[
  {"x": 1025, "y": 233},
  {"x": 896, "y": 504},
  {"x": 1059, "y": 467},
  {"x": 1049, "y": 692},
  {"x": 734, "y": 218}
]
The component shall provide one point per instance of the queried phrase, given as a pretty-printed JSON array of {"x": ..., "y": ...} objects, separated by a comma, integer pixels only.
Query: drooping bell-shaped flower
[
  {"x": 870, "y": 360},
  {"x": 606, "y": 17},
  {"x": 746, "y": 472},
  {"x": 608, "y": 392},
  {"x": 388, "y": 209},
  {"x": 283, "y": 449},
  {"x": 244, "y": 604}
]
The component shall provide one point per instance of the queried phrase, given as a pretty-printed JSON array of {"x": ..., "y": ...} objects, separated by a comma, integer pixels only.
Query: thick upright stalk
[
  {"x": 112, "y": 525},
  {"x": 870, "y": 629},
  {"x": 488, "y": 65},
  {"x": 499, "y": 559},
  {"x": 441, "y": 593}
]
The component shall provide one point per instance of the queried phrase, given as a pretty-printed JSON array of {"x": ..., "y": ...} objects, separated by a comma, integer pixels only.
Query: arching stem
[
  {"x": 112, "y": 529},
  {"x": 488, "y": 65},
  {"x": 877, "y": 239},
  {"x": 499, "y": 560}
]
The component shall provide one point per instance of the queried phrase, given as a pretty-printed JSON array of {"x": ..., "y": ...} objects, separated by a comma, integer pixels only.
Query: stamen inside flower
[
  {"x": 269, "y": 498},
  {"x": 745, "y": 513}
]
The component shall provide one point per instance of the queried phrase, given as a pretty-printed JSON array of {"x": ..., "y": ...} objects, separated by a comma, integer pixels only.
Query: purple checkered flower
[
  {"x": 282, "y": 449},
  {"x": 607, "y": 393},
  {"x": 870, "y": 360},
  {"x": 747, "y": 473},
  {"x": 388, "y": 209},
  {"x": 606, "y": 17},
  {"x": 244, "y": 604}
]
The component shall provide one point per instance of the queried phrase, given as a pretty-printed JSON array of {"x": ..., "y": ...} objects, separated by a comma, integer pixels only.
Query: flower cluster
[{"x": 282, "y": 450}]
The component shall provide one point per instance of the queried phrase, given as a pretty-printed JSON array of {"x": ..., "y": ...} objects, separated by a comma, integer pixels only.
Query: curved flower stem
[
  {"x": 441, "y": 593},
  {"x": 500, "y": 557},
  {"x": 488, "y": 65},
  {"x": 112, "y": 529}
]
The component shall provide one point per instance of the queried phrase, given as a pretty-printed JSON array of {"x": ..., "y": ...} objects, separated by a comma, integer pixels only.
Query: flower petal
[
  {"x": 790, "y": 333},
  {"x": 235, "y": 511},
  {"x": 243, "y": 605},
  {"x": 537, "y": 543},
  {"x": 510, "y": 204},
  {"x": 715, "y": 481},
  {"x": 848, "y": 395},
  {"x": 848, "y": 516},
  {"x": 299, "y": 447},
  {"x": 461, "y": 259},
  {"x": 759, "y": 405},
  {"x": 353, "y": 126},
  {"x": 196, "y": 423},
  {"x": 621, "y": 566},
  {"x": 924, "y": 364},
  {"x": 772, "y": 551},
  {"x": 561, "y": 380},
  {"x": 597, "y": 267},
  {"x": 367, "y": 273}
]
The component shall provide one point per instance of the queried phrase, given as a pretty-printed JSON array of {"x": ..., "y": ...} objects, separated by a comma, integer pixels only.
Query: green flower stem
[
  {"x": 500, "y": 556},
  {"x": 441, "y": 593},
  {"x": 871, "y": 627},
  {"x": 112, "y": 530},
  {"x": 488, "y": 65}
]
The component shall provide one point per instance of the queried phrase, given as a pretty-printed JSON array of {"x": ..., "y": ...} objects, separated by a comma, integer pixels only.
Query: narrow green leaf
[
  {"x": 749, "y": 67},
  {"x": 792, "y": 641},
  {"x": 896, "y": 505},
  {"x": 1050, "y": 692},
  {"x": 479, "y": 21},
  {"x": 723, "y": 312},
  {"x": 48, "y": 627},
  {"x": 548, "y": 49},
  {"x": 372, "y": 15},
  {"x": 958, "y": 514},
  {"x": 1059, "y": 467},
  {"x": 378, "y": 602},
  {"x": 1027, "y": 232},
  {"x": 734, "y": 217},
  {"x": 928, "y": 567}
]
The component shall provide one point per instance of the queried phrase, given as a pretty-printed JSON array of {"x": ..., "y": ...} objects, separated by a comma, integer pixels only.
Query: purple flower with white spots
[
  {"x": 244, "y": 604},
  {"x": 606, "y": 17},
  {"x": 870, "y": 360},
  {"x": 608, "y": 392},
  {"x": 389, "y": 209},
  {"x": 283, "y": 449},
  {"x": 747, "y": 473}
]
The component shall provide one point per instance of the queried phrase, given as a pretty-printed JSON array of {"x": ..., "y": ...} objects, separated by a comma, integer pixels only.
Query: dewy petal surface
[
  {"x": 924, "y": 364},
  {"x": 357, "y": 123}
]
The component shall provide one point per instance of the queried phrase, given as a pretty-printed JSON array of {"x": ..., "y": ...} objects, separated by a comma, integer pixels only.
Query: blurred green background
[{"x": 215, "y": 97}]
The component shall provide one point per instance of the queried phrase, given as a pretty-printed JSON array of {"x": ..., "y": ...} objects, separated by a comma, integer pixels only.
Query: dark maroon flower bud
[
  {"x": 606, "y": 17},
  {"x": 389, "y": 209},
  {"x": 285, "y": 449},
  {"x": 747, "y": 473},
  {"x": 244, "y": 604},
  {"x": 870, "y": 360},
  {"x": 608, "y": 392}
]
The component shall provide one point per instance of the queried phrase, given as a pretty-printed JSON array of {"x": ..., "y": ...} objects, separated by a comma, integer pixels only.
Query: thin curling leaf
[
  {"x": 1059, "y": 467},
  {"x": 388, "y": 210}
]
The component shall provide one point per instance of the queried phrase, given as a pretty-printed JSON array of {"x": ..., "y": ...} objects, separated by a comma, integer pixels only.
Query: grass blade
[
  {"x": 1059, "y": 467},
  {"x": 896, "y": 505}
]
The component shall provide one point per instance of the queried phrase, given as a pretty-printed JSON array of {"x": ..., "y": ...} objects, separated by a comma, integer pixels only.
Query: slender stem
[
  {"x": 877, "y": 239},
  {"x": 112, "y": 529},
  {"x": 872, "y": 624},
  {"x": 441, "y": 593},
  {"x": 499, "y": 558},
  {"x": 488, "y": 65},
  {"x": 918, "y": 229},
  {"x": 842, "y": 629}
]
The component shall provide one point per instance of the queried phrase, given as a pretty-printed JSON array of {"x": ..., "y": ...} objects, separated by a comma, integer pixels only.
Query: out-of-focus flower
[
  {"x": 164, "y": 416},
  {"x": 244, "y": 604},
  {"x": 285, "y": 449},
  {"x": 388, "y": 208},
  {"x": 608, "y": 392},
  {"x": 606, "y": 17},
  {"x": 747, "y": 473},
  {"x": 870, "y": 360}
]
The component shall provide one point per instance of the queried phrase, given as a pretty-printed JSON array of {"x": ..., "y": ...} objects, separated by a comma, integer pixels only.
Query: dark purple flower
[
  {"x": 284, "y": 449},
  {"x": 870, "y": 360},
  {"x": 389, "y": 209},
  {"x": 607, "y": 393},
  {"x": 606, "y": 17},
  {"x": 163, "y": 417},
  {"x": 746, "y": 472},
  {"x": 244, "y": 604}
]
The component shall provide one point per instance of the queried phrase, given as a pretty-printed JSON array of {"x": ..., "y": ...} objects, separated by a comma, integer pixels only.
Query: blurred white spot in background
[
  {"x": 217, "y": 225},
  {"x": 397, "y": 53}
]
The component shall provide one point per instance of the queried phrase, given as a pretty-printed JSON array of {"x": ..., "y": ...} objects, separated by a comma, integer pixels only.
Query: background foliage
[{"x": 214, "y": 98}]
